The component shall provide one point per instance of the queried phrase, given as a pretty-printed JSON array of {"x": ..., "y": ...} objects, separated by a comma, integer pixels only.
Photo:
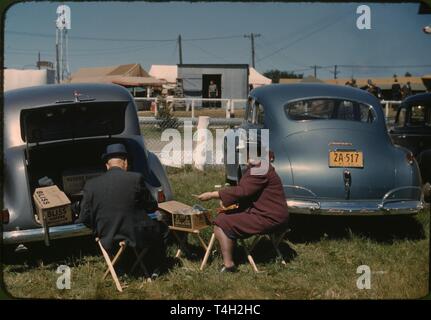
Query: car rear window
[
  {"x": 330, "y": 109},
  {"x": 75, "y": 120}
]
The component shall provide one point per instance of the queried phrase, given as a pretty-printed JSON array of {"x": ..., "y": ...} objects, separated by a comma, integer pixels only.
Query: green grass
[{"x": 323, "y": 254}]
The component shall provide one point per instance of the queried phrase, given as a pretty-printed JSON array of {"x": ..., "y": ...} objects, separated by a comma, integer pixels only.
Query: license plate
[{"x": 352, "y": 159}]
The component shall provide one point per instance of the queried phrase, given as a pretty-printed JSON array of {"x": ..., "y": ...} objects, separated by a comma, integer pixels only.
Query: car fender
[
  {"x": 406, "y": 174},
  {"x": 159, "y": 171}
]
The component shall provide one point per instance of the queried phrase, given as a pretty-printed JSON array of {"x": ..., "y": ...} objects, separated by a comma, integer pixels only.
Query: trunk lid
[{"x": 309, "y": 156}]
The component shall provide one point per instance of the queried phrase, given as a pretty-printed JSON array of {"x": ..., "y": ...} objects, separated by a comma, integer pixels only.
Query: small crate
[{"x": 184, "y": 216}]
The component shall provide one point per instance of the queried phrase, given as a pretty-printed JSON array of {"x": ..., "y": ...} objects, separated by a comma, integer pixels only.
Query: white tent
[
  {"x": 16, "y": 78},
  {"x": 256, "y": 79},
  {"x": 164, "y": 72}
]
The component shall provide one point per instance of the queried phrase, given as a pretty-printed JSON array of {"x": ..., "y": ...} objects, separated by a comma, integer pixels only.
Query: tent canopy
[{"x": 128, "y": 75}]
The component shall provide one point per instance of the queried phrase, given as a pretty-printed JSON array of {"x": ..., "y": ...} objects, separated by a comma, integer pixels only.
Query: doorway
[{"x": 206, "y": 81}]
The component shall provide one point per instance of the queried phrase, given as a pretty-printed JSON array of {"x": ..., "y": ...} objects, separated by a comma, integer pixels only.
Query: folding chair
[
  {"x": 275, "y": 237},
  {"x": 111, "y": 263}
]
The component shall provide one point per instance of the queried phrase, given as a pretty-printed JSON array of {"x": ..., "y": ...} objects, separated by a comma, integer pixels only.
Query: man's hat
[{"x": 113, "y": 150}]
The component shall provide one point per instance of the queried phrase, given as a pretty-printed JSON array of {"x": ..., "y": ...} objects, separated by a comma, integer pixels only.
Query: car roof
[
  {"x": 420, "y": 97},
  {"x": 38, "y": 96},
  {"x": 277, "y": 95}
]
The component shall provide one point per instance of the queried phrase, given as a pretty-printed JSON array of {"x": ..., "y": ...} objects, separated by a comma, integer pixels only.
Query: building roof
[{"x": 129, "y": 75}]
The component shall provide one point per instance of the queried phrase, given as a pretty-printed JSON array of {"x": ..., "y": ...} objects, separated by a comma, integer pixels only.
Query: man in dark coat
[
  {"x": 116, "y": 205},
  {"x": 261, "y": 209}
]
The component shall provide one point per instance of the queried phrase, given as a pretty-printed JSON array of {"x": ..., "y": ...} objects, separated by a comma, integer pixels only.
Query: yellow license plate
[{"x": 352, "y": 159}]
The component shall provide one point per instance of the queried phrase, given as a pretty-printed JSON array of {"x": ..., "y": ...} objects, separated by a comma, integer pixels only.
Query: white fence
[{"x": 190, "y": 103}]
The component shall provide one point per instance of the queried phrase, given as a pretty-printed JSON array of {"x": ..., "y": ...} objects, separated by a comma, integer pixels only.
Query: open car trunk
[
  {"x": 65, "y": 143},
  {"x": 69, "y": 164}
]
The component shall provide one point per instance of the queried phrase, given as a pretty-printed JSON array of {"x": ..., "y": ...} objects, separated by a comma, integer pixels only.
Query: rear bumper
[
  {"x": 354, "y": 208},
  {"x": 33, "y": 235}
]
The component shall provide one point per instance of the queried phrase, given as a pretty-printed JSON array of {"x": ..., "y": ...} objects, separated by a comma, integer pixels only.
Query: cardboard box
[
  {"x": 53, "y": 204},
  {"x": 184, "y": 216},
  {"x": 74, "y": 180}
]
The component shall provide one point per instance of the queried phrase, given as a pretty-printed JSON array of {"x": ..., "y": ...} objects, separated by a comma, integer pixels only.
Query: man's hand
[{"x": 208, "y": 196}]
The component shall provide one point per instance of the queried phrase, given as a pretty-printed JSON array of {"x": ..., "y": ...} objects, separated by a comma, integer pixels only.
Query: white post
[
  {"x": 232, "y": 108},
  {"x": 387, "y": 110},
  {"x": 193, "y": 108},
  {"x": 200, "y": 151},
  {"x": 228, "y": 103}
]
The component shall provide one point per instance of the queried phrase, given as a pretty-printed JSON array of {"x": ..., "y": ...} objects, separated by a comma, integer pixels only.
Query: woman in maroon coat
[{"x": 261, "y": 209}]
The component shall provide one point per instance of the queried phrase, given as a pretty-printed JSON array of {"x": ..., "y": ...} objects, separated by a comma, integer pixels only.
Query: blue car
[{"x": 332, "y": 151}]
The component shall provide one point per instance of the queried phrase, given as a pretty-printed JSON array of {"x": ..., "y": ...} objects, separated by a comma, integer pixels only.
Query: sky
[{"x": 293, "y": 36}]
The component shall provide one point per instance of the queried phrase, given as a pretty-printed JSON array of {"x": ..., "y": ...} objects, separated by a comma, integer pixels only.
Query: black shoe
[{"x": 230, "y": 269}]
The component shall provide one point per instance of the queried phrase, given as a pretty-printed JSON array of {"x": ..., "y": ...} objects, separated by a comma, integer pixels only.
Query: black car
[{"x": 412, "y": 130}]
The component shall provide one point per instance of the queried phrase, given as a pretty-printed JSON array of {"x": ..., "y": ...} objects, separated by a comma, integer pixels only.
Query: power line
[
  {"x": 45, "y": 35},
  {"x": 307, "y": 35}
]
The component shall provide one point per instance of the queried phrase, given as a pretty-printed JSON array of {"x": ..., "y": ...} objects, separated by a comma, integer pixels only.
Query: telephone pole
[
  {"x": 335, "y": 72},
  {"x": 180, "y": 49},
  {"x": 252, "y": 36},
  {"x": 315, "y": 67}
]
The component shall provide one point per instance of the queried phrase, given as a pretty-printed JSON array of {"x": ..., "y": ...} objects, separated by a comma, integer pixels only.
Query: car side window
[
  {"x": 260, "y": 114},
  {"x": 249, "y": 110},
  {"x": 417, "y": 116}
]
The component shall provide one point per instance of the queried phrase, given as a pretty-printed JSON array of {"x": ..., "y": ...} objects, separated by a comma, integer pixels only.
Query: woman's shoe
[{"x": 230, "y": 269}]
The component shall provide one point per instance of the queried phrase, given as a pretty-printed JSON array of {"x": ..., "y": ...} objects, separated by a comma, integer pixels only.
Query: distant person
[
  {"x": 373, "y": 89},
  {"x": 351, "y": 83},
  {"x": 396, "y": 90},
  {"x": 406, "y": 90},
  {"x": 212, "y": 93}
]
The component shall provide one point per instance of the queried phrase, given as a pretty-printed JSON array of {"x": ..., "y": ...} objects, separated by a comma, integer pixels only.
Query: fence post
[
  {"x": 193, "y": 108},
  {"x": 228, "y": 103},
  {"x": 156, "y": 110},
  {"x": 387, "y": 109},
  {"x": 232, "y": 108}
]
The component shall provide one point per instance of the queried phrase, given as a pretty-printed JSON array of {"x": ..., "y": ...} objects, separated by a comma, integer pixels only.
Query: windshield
[{"x": 330, "y": 109}]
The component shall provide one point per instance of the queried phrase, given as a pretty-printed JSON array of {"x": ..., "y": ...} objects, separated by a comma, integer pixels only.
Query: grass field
[{"x": 323, "y": 254}]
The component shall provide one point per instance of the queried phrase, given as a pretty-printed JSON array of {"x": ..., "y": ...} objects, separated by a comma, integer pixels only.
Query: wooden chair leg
[
  {"x": 110, "y": 267},
  {"x": 139, "y": 257},
  {"x": 276, "y": 243},
  {"x": 249, "y": 257},
  {"x": 114, "y": 261},
  {"x": 208, "y": 252}
]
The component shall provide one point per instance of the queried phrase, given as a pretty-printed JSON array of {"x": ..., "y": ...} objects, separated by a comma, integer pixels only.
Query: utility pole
[
  {"x": 38, "y": 60},
  {"x": 315, "y": 67},
  {"x": 252, "y": 36},
  {"x": 180, "y": 49},
  {"x": 335, "y": 72}
]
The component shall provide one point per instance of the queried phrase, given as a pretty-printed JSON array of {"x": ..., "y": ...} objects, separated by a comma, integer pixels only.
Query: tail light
[
  {"x": 410, "y": 157},
  {"x": 5, "y": 216},
  {"x": 161, "y": 196},
  {"x": 271, "y": 156}
]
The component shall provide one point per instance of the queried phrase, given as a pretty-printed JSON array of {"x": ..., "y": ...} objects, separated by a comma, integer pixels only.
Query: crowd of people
[{"x": 398, "y": 91}]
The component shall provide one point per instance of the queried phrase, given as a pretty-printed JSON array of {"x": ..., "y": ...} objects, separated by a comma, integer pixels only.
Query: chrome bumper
[
  {"x": 359, "y": 208},
  {"x": 32, "y": 235}
]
